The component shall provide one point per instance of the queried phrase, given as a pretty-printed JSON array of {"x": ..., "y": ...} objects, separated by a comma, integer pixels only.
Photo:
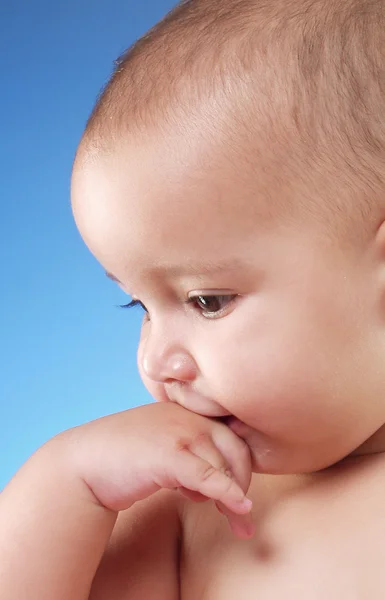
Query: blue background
[{"x": 67, "y": 353}]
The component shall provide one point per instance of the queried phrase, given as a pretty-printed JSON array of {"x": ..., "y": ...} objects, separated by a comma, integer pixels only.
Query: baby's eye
[{"x": 212, "y": 306}]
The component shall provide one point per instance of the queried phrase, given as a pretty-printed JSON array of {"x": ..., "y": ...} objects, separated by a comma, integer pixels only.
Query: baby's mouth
[
  {"x": 230, "y": 421},
  {"x": 223, "y": 420}
]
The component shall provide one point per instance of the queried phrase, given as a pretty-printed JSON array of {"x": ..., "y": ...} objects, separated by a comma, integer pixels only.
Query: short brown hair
[{"x": 309, "y": 74}]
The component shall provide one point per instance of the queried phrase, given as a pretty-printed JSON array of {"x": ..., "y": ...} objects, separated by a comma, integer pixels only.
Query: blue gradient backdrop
[{"x": 67, "y": 354}]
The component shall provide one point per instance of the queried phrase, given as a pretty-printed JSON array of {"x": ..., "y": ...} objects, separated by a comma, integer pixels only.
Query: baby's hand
[{"x": 130, "y": 455}]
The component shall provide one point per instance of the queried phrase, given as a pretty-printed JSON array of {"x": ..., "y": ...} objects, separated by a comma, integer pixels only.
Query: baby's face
[{"x": 249, "y": 315}]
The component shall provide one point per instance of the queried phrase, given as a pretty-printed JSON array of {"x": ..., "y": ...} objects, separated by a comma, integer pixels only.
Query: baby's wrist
[
  {"x": 66, "y": 451},
  {"x": 80, "y": 453}
]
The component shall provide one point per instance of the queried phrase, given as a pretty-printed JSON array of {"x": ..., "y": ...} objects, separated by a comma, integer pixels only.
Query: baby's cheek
[{"x": 266, "y": 386}]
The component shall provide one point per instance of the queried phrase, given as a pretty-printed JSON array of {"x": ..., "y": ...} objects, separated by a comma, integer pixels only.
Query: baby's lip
[{"x": 202, "y": 405}]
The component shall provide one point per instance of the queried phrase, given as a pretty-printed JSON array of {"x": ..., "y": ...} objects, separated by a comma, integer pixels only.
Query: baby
[{"x": 231, "y": 179}]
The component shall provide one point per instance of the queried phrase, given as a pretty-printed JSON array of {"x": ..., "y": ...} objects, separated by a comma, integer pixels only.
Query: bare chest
[{"x": 318, "y": 539}]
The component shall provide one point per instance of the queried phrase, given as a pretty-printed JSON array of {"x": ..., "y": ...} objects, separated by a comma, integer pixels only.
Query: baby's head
[{"x": 232, "y": 179}]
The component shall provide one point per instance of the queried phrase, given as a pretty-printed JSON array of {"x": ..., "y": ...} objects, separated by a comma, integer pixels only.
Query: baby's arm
[
  {"x": 52, "y": 530},
  {"x": 58, "y": 512}
]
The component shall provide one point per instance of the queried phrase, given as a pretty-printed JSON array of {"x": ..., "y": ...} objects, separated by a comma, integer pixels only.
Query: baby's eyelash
[{"x": 134, "y": 303}]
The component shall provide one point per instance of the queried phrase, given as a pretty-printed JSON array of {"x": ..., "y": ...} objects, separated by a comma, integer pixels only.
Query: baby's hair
[{"x": 295, "y": 86}]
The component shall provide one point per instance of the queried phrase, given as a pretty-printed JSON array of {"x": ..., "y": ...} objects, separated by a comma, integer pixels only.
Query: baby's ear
[
  {"x": 380, "y": 242},
  {"x": 379, "y": 264}
]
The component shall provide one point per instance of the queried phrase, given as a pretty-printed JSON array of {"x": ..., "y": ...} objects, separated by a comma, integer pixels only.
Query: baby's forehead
[
  {"x": 192, "y": 184},
  {"x": 182, "y": 176},
  {"x": 140, "y": 215}
]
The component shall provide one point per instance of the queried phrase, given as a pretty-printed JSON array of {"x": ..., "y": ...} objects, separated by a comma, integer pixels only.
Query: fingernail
[{"x": 245, "y": 503}]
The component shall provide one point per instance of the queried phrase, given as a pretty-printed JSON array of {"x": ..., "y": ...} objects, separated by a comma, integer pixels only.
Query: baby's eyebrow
[
  {"x": 192, "y": 268},
  {"x": 198, "y": 268}
]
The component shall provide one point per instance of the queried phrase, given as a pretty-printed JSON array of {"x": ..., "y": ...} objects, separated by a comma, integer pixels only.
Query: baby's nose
[{"x": 169, "y": 366}]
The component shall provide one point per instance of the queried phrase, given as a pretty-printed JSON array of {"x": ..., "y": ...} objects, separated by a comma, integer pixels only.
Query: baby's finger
[
  {"x": 204, "y": 447},
  {"x": 241, "y": 525},
  {"x": 201, "y": 476},
  {"x": 194, "y": 496}
]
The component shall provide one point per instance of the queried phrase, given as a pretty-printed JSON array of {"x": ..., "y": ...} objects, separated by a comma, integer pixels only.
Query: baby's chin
[{"x": 270, "y": 458}]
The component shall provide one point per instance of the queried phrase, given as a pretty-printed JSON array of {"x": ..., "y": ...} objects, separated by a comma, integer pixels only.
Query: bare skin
[{"x": 317, "y": 536}]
